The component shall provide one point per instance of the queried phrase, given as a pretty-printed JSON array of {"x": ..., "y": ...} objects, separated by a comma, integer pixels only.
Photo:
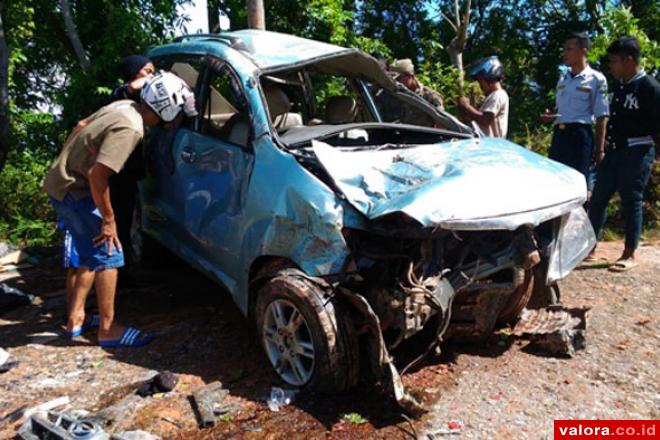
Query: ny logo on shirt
[{"x": 631, "y": 102}]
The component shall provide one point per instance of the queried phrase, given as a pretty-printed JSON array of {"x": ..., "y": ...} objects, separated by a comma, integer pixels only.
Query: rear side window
[{"x": 224, "y": 111}]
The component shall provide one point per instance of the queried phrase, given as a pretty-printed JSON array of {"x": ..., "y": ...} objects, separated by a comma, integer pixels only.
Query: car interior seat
[
  {"x": 279, "y": 106},
  {"x": 340, "y": 110}
]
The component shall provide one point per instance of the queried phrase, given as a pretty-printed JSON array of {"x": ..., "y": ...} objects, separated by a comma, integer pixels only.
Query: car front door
[{"x": 213, "y": 163}]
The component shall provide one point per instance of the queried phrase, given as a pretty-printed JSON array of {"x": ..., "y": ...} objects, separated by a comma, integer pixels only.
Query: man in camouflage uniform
[{"x": 404, "y": 71}]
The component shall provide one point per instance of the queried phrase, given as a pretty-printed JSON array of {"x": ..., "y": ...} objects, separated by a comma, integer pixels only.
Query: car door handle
[{"x": 188, "y": 155}]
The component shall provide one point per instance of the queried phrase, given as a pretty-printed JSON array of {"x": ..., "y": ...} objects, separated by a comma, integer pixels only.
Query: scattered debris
[
  {"x": 453, "y": 428},
  {"x": 11, "y": 298},
  {"x": 121, "y": 412},
  {"x": 17, "y": 260},
  {"x": 44, "y": 337},
  {"x": 453, "y": 425},
  {"x": 6, "y": 248},
  {"x": 206, "y": 400},
  {"x": 7, "y": 364},
  {"x": 280, "y": 398},
  {"x": 13, "y": 416},
  {"x": 172, "y": 421},
  {"x": 14, "y": 257},
  {"x": 252, "y": 428},
  {"x": 3, "y": 356},
  {"x": 558, "y": 331},
  {"x": 163, "y": 382},
  {"x": 60, "y": 426},
  {"x": 47, "y": 406},
  {"x": 134, "y": 435}
]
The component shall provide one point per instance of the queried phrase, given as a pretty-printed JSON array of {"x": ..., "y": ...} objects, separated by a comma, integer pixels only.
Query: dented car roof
[{"x": 266, "y": 50}]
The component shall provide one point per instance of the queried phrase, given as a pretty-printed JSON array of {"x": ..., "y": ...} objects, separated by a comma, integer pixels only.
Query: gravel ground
[
  {"x": 494, "y": 390},
  {"x": 518, "y": 394}
]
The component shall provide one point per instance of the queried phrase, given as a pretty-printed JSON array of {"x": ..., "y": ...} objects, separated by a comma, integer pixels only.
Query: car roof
[{"x": 268, "y": 50}]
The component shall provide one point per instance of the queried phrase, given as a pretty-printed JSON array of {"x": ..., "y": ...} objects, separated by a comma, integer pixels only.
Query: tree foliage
[{"x": 49, "y": 91}]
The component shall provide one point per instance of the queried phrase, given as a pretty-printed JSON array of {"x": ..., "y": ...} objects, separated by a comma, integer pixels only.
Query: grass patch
[{"x": 354, "y": 418}]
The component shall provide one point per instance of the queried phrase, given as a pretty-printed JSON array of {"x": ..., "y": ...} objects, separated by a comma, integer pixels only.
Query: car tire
[
  {"x": 307, "y": 336},
  {"x": 143, "y": 251}
]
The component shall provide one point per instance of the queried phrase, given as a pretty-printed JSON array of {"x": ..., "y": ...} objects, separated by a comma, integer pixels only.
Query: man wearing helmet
[
  {"x": 493, "y": 115},
  {"x": 77, "y": 184},
  {"x": 581, "y": 98}
]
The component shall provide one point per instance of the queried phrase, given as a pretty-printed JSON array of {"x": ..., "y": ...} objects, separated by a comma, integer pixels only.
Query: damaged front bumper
[{"x": 462, "y": 282}]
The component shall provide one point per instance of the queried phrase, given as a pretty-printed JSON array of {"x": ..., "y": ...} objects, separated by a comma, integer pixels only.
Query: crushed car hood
[{"x": 472, "y": 184}]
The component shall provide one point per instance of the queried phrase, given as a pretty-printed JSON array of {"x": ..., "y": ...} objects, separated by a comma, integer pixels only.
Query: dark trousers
[
  {"x": 573, "y": 146},
  {"x": 626, "y": 171},
  {"x": 123, "y": 193}
]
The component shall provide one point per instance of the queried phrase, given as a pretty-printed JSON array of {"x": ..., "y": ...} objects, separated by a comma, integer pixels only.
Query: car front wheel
[{"x": 307, "y": 337}]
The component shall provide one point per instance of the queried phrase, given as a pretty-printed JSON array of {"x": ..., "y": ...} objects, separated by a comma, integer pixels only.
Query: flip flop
[
  {"x": 132, "y": 337},
  {"x": 622, "y": 265},
  {"x": 92, "y": 323},
  {"x": 595, "y": 262}
]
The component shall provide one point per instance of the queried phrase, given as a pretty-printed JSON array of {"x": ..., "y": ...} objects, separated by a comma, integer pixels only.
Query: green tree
[{"x": 48, "y": 90}]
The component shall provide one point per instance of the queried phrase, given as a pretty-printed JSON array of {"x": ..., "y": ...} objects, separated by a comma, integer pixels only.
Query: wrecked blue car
[{"x": 343, "y": 213}]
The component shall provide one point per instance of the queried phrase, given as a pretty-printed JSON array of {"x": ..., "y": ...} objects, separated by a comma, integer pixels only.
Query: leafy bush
[
  {"x": 619, "y": 22},
  {"x": 26, "y": 217}
]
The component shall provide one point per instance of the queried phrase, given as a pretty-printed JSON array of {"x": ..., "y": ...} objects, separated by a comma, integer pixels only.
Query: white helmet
[{"x": 167, "y": 95}]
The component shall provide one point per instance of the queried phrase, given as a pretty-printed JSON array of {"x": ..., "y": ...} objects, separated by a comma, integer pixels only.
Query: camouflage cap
[{"x": 403, "y": 66}]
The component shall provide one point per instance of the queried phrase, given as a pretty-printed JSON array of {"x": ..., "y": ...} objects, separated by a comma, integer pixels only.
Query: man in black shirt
[{"x": 633, "y": 129}]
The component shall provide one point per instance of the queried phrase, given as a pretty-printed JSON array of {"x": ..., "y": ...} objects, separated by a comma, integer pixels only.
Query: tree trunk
[
  {"x": 213, "y": 13},
  {"x": 4, "y": 96},
  {"x": 72, "y": 33},
  {"x": 456, "y": 58},
  {"x": 256, "y": 15},
  {"x": 460, "y": 26}
]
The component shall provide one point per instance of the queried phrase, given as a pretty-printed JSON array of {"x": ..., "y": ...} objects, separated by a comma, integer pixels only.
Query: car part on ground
[{"x": 555, "y": 330}]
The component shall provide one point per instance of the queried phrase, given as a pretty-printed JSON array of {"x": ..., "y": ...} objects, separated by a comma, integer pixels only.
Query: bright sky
[{"x": 198, "y": 23}]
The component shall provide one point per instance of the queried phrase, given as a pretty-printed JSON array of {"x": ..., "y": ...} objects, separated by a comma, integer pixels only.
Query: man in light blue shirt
[{"x": 581, "y": 100}]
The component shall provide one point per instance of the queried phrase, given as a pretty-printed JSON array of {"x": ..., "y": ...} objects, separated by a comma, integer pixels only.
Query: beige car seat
[
  {"x": 340, "y": 110},
  {"x": 279, "y": 106}
]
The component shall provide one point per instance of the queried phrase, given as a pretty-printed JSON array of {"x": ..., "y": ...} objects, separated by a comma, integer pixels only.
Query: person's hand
[
  {"x": 463, "y": 102},
  {"x": 598, "y": 155},
  {"x": 108, "y": 236},
  {"x": 547, "y": 117},
  {"x": 137, "y": 84}
]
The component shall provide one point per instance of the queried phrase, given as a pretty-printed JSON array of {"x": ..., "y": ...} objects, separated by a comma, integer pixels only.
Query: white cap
[{"x": 167, "y": 95}]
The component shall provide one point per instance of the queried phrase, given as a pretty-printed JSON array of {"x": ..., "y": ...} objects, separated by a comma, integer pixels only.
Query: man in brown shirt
[{"x": 77, "y": 184}]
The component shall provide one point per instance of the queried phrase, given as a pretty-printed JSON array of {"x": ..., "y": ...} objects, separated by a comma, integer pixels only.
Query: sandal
[
  {"x": 90, "y": 324},
  {"x": 595, "y": 262},
  {"x": 131, "y": 337},
  {"x": 623, "y": 265}
]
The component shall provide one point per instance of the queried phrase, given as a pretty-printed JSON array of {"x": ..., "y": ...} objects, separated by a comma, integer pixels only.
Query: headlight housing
[{"x": 573, "y": 243}]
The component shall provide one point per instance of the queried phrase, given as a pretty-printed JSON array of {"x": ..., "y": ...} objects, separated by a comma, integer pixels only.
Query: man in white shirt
[
  {"x": 493, "y": 115},
  {"x": 578, "y": 138}
]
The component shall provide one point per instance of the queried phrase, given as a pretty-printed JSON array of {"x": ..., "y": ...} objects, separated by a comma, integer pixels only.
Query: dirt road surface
[{"x": 499, "y": 389}]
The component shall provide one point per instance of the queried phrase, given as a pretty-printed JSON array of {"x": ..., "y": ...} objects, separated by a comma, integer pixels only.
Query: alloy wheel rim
[{"x": 288, "y": 342}]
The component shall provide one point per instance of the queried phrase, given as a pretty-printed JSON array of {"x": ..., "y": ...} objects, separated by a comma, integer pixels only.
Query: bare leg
[
  {"x": 84, "y": 279},
  {"x": 106, "y": 287},
  {"x": 628, "y": 254},
  {"x": 71, "y": 276}
]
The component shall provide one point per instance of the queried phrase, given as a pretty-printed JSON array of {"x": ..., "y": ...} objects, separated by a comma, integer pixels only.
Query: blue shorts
[
  {"x": 70, "y": 257},
  {"x": 82, "y": 220}
]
